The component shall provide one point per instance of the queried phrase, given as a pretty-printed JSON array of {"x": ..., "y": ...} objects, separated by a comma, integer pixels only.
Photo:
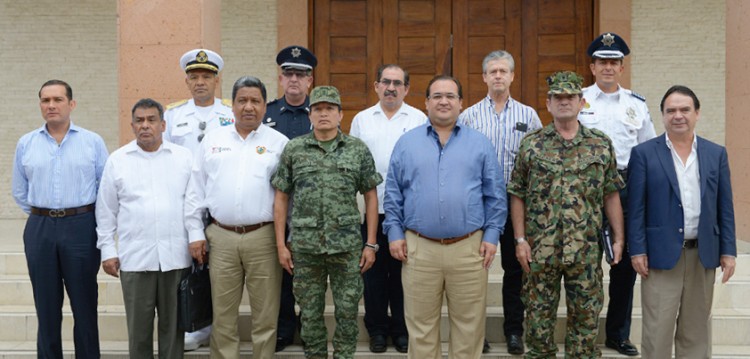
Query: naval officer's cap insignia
[
  {"x": 201, "y": 57},
  {"x": 608, "y": 39}
]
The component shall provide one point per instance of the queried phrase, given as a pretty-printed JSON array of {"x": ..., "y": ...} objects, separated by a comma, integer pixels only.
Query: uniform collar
[
  {"x": 598, "y": 91},
  {"x": 287, "y": 107}
]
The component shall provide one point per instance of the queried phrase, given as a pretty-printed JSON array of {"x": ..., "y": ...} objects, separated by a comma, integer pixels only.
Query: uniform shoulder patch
[
  {"x": 176, "y": 104},
  {"x": 226, "y": 102},
  {"x": 638, "y": 96}
]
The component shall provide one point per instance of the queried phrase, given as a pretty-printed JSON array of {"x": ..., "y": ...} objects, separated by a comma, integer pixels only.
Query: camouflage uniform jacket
[
  {"x": 323, "y": 185},
  {"x": 563, "y": 184}
]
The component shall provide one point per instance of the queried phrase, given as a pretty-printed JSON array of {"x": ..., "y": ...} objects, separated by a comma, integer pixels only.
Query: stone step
[
  {"x": 119, "y": 350},
  {"x": 730, "y": 327},
  {"x": 15, "y": 289}
]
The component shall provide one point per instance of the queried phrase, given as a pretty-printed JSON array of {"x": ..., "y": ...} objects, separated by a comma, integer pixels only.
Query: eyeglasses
[
  {"x": 291, "y": 73},
  {"x": 441, "y": 96},
  {"x": 388, "y": 82},
  {"x": 202, "y": 127}
]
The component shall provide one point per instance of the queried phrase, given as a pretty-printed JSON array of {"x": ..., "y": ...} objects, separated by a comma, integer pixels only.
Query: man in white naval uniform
[
  {"x": 623, "y": 116},
  {"x": 189, "y": 120}
]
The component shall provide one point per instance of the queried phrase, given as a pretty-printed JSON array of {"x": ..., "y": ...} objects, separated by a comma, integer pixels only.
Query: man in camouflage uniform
[
  {"x": 322, "y": 172},
  {"x": 563, "y": 176}
]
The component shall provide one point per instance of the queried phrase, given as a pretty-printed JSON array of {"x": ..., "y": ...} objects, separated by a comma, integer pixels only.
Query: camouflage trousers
[
  {"x": 584, "y": 298},
  {"x": 311, "y": 274}
]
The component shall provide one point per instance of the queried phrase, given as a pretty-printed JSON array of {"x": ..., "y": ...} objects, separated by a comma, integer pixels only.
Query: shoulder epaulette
[
  {"x": 273, "y": 101},
  {"x": 226, "y": 102},
  {"x": 176, "y": 104},
  {"x": 638, "y": 96}
]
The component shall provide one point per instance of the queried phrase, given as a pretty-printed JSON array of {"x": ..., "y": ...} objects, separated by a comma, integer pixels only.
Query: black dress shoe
[
  {"x": 486, "y": 347},
  {"x": 378, "y": 343},
  {"x": 515, "y": 344},
  {"x": 401, "y": 343},
  {"x": 282, "y": 343},
  {"x": 624, "y": 347}
]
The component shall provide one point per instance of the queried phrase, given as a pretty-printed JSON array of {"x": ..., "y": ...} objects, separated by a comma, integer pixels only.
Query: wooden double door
[{"x": 352, "y": 38}]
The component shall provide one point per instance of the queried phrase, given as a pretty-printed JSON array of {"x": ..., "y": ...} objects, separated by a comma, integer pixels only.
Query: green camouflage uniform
[
  {"x": 323, "y": 181},
  {"x": 563, "y": 184}
]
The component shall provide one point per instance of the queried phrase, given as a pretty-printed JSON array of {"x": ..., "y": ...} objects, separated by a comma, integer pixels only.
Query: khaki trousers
[
  {"x": 431, "y": 270},
  {"x": 250, "y": 259},
  {"x": 680, "y": 297}
]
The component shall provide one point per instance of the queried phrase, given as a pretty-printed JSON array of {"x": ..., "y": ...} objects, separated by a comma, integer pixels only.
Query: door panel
[{"x": 352, "y": 38}]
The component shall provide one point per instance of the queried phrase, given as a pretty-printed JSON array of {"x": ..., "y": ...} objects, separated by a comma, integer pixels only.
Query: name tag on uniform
[
  {"x": 520, "y": 126},
  {"x": 270, "y": 123}
]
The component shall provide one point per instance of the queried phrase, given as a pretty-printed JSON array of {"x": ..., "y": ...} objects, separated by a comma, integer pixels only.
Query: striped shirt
[
  {"x": 505, "y": 130},
  {"x": 48, "y": 175}
]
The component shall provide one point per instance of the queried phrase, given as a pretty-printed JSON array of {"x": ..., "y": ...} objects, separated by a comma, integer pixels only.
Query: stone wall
[
  {"x": 681, "y": 42},
  {"x": 70, "y": 40}
]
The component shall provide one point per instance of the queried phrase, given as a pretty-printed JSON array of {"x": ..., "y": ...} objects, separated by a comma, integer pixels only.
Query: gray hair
[{"x": 499, "y": 55}]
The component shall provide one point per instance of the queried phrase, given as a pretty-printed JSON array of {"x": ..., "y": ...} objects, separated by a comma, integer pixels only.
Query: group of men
[{"x": 266, "y": 192}]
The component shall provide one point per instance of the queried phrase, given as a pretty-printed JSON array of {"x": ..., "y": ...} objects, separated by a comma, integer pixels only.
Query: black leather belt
[
  {"x": 241, "y": 229},
  {"x": 690, "y": 243},
  {"x": 450, "y": 240},
  {"x": 60, "y": 213}
]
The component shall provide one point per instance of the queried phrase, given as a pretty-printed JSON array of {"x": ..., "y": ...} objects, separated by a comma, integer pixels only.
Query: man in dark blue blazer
[{"x": 680, "y": 229}]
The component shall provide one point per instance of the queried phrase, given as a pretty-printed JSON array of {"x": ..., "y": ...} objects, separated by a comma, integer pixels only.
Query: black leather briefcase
[{"x": 194, "y": 300}]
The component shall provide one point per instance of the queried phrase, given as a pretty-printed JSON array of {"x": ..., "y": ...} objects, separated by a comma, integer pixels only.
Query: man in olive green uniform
[
  {"x": 322, "y": 172},
  {"x": 564, "y": 175}
]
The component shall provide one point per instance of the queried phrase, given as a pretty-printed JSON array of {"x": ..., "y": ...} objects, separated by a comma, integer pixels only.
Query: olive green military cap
[{"x": 325, "y": 94}]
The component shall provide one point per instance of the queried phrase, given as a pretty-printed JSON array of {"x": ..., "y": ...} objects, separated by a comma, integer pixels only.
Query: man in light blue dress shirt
[
  {"x": 56, "y": 174},
  {"x": 445, "y": 208}
]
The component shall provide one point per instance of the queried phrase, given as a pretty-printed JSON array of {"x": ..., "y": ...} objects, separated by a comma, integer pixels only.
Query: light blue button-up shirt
[
  {"x": 444, "y": 191},
  {"x": 48, "y": 175}
]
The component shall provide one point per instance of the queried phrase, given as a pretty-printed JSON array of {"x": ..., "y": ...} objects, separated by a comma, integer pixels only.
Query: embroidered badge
[
  {"x": 220, "y": 149},
  {"x": 260, "y": 149},
  {"x": 630, "y": 112}
]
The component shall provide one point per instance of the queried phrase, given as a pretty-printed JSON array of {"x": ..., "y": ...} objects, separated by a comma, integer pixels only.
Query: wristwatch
[
  {"x": 520, "y": 240},
  {"x": 375, "y": 247}
]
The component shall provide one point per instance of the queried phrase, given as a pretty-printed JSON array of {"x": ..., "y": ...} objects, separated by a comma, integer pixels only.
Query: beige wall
[
  {"x": 71, "y": 40},
  {"x": 681, "y": 42},
  {"x": 248, "y": 43}
]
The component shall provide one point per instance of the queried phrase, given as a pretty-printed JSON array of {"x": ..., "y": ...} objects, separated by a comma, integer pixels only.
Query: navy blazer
[{"x": 655, "y": 216}]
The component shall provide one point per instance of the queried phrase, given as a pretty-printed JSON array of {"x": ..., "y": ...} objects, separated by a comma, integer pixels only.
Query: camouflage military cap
[
  {"x": 325, "y": 94},
  {"x": 564, "y": 82}
]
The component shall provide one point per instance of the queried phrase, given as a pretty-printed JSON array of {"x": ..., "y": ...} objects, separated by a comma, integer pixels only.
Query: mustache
[{"x": 390, "y": 92}]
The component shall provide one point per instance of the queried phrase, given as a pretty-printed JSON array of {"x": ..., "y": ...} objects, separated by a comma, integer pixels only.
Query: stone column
[
  {"x": 151, "y": 37},
  {"x": 737, "y": 98}
]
